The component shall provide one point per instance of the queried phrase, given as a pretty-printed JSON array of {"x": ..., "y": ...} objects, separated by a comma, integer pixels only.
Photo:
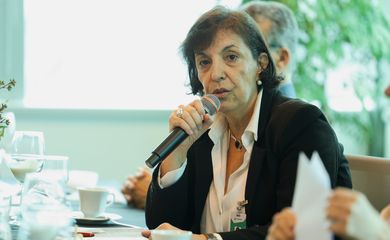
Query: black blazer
[{"x": 286, "y": 127}]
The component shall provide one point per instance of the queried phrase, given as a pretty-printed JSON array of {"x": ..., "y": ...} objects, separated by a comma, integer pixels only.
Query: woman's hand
[
  {"x": 167, "y": 226},
  {"x": 352, "y": 215},
  {"x": 339, "y": 209},
  {"x": 385, "y": 213},
  {"x": 282, "y": 227},
  {"x": 194, "y": 121}
]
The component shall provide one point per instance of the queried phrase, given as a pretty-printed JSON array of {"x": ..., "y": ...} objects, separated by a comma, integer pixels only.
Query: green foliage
[
  {"x": 328, "y": 28},
  {"x": 3, "y": 121}
]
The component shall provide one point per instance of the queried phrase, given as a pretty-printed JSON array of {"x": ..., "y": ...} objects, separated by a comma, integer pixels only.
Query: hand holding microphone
[{"x": 191, "y": 120}]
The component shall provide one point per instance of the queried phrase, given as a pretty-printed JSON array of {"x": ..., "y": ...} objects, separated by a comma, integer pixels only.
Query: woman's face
[{"x": 228, "y": 70}]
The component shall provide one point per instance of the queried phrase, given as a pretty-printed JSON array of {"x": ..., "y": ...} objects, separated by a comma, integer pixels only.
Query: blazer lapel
[
  {"x": 204, "y": 176},
  {"x": 258, "y": 151},
  {"x": 255, "y": 165}
]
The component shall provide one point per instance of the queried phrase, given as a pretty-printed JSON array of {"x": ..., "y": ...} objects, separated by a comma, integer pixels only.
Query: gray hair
[{"x": 284, "y": 30}]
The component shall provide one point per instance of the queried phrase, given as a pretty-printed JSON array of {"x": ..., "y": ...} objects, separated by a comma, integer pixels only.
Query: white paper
[{"x": 312, "y": 188}]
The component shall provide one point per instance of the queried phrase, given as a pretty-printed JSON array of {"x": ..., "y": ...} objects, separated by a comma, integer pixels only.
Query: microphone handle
[{"x": 176, "y": 137}]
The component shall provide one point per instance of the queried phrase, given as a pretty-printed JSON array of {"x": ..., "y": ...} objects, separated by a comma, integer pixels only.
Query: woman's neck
[{"x": 239, "y": 120}]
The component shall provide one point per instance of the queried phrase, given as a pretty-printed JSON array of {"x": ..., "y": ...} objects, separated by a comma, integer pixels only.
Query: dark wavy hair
[{"x": 203, "y": 32}]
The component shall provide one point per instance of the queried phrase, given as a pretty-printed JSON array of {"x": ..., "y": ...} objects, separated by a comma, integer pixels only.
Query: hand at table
[
  {"x": 352, "y": 215},
  {"x": 135, "y": 188},
  {"x": 167, "y": 226},
  {"x": 282, "y": 227}
]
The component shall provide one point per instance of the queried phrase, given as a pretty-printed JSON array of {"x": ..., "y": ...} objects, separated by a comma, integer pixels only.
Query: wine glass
[
  {"x": 26, "y": 156},
  {"x": 44, "y": 201},
  {"x": 26, "y": 153},
  {"x": 55, "y": 168}
]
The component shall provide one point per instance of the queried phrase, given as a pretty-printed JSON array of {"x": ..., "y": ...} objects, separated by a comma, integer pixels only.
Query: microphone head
[{"x": 210, "y": 103}]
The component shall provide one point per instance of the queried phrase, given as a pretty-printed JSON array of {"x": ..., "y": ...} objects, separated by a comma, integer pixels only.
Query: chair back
[{"x": 371, "y": 176}]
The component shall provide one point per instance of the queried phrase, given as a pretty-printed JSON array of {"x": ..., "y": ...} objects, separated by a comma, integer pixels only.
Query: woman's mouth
[{"x": 221, "y": 92}]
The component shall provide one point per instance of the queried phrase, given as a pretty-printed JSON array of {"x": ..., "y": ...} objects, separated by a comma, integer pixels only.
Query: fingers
[
  {"x": 385, "y": 213},
  {"x": 163, "y": 226},
  {"x": 190, "y": 119},
  {"x": 146, "y": 233},
  {"x": 282, "y": 227},
  {"x": 167, "y": 226},
  {"x": 339, "y": 228},
  {"x": 135, "y": 189},
  {"x": 127, "y": 186},
  {"x": 142, "y": 172},
  {"x": 127, "y": 189},
  {"x": 340, "y": 202},
  {"x": 339, "y": 209}
]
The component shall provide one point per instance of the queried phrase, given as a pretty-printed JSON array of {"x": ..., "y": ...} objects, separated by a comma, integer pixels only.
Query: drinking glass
[
  {"x": 26, "y": 156},
  {"x": 55, "y": 167},
  {"x": 26, "y": 153},
  {"x": 5, "y": 204},
  {"x": 45, "y": 214}
]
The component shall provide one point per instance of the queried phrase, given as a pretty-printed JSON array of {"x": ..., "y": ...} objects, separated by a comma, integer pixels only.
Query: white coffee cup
[
  {"x": 159, "y": 234},
  {"x": 94, "y": 200}
]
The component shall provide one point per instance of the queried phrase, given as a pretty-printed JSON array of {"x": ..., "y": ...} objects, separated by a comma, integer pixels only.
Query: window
[{"x": 110, "y": 54}]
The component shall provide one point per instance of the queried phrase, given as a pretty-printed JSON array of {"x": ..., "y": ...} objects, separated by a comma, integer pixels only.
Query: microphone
[{"x": 210, "y": 104}]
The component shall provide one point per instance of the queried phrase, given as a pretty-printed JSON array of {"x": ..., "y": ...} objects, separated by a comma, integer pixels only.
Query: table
[
  {"x": 130, "y": 216},
  {"x": 111, "y": 230}
]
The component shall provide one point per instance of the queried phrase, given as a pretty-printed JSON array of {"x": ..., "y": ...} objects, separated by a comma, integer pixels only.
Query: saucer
[{"x": 80, "y": 219}]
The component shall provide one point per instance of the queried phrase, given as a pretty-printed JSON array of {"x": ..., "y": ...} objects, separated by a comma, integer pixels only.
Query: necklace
[{"x": 237, "y": 143}]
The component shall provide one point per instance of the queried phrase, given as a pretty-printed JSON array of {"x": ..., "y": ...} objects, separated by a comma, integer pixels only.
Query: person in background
[
  {"x": 280, "y": 30},
  {"x": 279, "y": 27},
  {"x": 350, "y": 215},
  {"x": 238, "y": 168},
  {"x": 136, "y": 186}
]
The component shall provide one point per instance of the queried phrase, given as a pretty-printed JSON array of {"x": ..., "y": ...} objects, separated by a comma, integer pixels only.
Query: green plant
[
  {"x": 4, "y": 122},
  {"x": 333, "y": 31}
]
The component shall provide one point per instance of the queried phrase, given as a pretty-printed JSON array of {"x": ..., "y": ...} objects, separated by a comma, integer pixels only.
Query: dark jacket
[{"x": 286, "y": 127}]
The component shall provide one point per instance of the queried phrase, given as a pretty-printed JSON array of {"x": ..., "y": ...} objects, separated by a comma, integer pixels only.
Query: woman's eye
[
  {"x": 203, "y": 63},
  {"x": 232, "y": 57}
]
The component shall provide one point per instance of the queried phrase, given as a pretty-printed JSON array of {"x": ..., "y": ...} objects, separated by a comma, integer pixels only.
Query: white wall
[{"x": 112, "y": 143}]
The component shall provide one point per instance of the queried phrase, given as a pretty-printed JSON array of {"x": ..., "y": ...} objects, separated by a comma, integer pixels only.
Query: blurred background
[{"x": 100, "y": 77}]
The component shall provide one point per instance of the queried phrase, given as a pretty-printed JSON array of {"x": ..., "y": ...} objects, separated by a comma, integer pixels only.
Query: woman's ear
[
  {"x": 263, "y": 61},
  {"x": 282, "y": 59}
]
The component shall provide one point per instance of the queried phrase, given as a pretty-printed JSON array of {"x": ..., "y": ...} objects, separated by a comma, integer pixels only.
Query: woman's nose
[{"x": 218, "y": 72}]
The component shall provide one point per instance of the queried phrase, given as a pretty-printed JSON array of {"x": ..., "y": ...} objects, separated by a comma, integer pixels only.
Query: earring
[
  {"x": 264, "y": 60},
  {"x": 259, "y": 82}
]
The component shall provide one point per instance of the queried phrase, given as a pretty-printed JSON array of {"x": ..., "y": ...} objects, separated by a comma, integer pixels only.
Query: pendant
[{"x": 238, "y": 145}]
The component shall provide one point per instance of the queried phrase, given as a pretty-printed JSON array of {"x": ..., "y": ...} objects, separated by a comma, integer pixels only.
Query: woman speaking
[{"x": 237, "y": 169}]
